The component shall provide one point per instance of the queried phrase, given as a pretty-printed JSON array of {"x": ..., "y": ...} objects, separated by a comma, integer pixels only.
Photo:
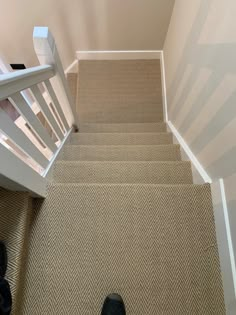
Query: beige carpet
[
  {"x": 15, "y": 215},
  {"x": 121, "y": 153},
  {"x": 126, "y": 91},
  {"x": 122, "y": 214},
  {"x": 149, "y": 172}
]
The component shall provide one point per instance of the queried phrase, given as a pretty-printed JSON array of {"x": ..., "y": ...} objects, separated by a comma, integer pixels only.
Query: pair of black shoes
[{"x": 5, "y": 292}]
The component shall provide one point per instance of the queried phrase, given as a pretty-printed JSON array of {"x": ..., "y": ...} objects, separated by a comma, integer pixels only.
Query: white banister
[
  {"x": 12, "y": 132},
  {"x": 18, "y": 81},
  {"x": 43, "y": 120},
  {"x": 56, "y": 103},
  {"x": 23, "y": 108},
  {"x": 46, "y": 51},
  {"x": 19, "y": 176},
  {"x": 46, "y": 111}
]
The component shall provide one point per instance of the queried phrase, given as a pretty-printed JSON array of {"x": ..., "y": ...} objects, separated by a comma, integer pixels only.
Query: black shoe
[
  {"x": 113, "y": 305},
  {"x": 5, "y": 297},
  {"x": 3, "y": 260}
]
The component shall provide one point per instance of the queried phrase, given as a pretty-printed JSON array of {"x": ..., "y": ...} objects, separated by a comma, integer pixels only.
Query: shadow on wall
[{"x": 202, "y": 93}]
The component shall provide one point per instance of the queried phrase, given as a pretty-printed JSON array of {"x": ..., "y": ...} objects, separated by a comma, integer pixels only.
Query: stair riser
[
  {"x": 122, "y": 128},
  {"x": 121, "y": 139},
  {"x": 121, "y": 153},
  {"x": 123, "y": 172}
]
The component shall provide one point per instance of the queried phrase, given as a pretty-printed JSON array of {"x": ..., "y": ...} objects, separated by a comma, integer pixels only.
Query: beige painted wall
[
  {"x": 200, "y": 51},
  {"x": 200, "y": 61},
  {"x": 83, "y": 25}
]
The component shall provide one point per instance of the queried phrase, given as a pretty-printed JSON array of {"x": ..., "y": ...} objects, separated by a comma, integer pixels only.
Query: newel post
[{"x": 46, "y": 51}]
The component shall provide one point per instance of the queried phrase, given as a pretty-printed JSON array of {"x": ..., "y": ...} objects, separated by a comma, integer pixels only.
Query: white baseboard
[
  {"x": 118, "y": 55},
  {"x": 47, "y": 171},
  {"x": 197, "y": 167},
  {"x": 72, "y": 68},
  {"x": 225, "y": 247},
  {"x": 163, "y": 84},
  {"x": 190, "y": 154}
]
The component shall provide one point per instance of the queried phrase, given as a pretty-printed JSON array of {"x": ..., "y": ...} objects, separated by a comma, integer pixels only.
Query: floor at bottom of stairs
[{"x": 153, "y": 244}]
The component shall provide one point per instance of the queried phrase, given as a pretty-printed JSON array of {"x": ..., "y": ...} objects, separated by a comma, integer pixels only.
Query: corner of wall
[{"x": 72, "y": 68}]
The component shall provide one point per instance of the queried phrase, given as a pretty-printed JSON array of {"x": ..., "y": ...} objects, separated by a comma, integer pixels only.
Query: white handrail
[
  {"x": 13, "y": 82},
  {"x": 47, "y": 122}
]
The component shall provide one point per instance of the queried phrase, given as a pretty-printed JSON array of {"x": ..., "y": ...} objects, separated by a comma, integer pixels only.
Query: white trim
[
  {"x": 228, "y": 232},
  {"x": 13, "y": 82},
  {"x": 190, "y": 154},
  {"x": 4, "y": 65},
  {"x": 118, "y": 54},
  {"x": 163, "y": 81},
  {"x": 18, "y": 176},
  {"x": 11, "y": 131},
  {"x": 72, "y": 68},
  {"x": 21, "y": 105},
  {"x": 206, "y": 178},
  {"x": 46, "y": 171}
]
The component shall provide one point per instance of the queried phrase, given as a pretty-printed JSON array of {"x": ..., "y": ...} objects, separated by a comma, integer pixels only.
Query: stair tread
[
  {"x": 123, "y": 236},
  {"x": 126, "y": 127},
  {"x": 123, "y": 172},
  {"x": 122, "y": 138}
]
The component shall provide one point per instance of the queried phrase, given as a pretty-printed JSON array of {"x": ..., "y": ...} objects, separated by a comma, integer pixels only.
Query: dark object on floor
[
  {"x": 5, "y": 297},
  {"x": 5, "y": 291},
  {"x": 3, "y": 259},
  {"x": 113, "y": 305}
]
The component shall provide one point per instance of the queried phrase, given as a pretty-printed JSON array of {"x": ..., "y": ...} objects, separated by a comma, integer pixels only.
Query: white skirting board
[
  {"x": 225, "y": 247},
  {"x": 72, "y": 68},
  {"x": 187, "y": 154},
  {"x": 118, "y": 55}
]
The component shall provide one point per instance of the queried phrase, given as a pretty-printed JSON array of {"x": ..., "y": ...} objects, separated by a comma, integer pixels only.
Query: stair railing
[{"x": 28, "y": 149}]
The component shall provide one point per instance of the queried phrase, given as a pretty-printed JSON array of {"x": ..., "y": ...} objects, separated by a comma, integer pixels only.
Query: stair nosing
[
  {"x": 123, "y": 145},
  {"x": 122, "y": 162},
  {"x": 129, "y": 184},
  {"x": 122, "y": 133}
]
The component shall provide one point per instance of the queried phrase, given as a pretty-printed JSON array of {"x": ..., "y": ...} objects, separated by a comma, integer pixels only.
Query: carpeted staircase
[{"x": 122, "y": 213}]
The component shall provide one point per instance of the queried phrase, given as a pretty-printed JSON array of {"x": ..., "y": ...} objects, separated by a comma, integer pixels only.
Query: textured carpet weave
[
  {"x": 155, "y": 245},
  {"x": 121, "y": 138},
  {"x": 15, "y": 213},
  {"x": 123, "y": 172},
  {"x": 122, "y": 214},
  {"x": 119, "y": 128},
  {"x": 120, "y": 91},
  {"x": 169, "y": 152}
]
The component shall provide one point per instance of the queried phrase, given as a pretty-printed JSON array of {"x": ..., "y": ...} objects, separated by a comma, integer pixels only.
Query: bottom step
[
  {"x": 15, "y": 214},
  {"x": 153, "y": 244}
]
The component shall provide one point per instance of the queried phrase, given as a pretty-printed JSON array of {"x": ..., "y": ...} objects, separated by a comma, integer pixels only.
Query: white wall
[
  {"x": 83, "y": 25},
  {"x": 200, "y": 61}
]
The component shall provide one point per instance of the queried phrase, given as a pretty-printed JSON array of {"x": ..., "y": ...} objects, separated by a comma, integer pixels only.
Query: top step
[
  {"x": 123, "y": 128},
  {"x": 120, "y": 91}
]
